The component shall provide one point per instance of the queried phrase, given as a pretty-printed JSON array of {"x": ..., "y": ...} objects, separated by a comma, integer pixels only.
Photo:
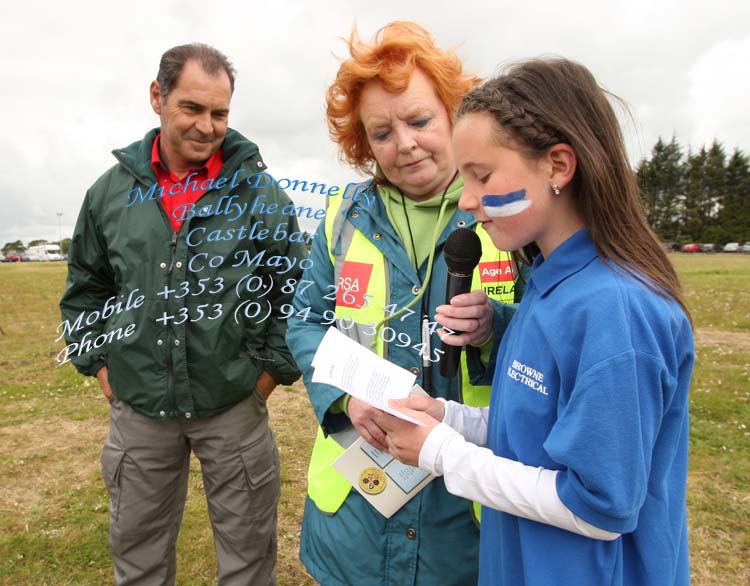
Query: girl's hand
[
  {"x": 432, "y": 407},
  {"x": 405, "y": 439},
  {"x": 469, "y": 313}
]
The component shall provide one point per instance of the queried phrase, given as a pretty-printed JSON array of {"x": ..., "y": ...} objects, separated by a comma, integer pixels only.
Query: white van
[{"x": 45, "y": 252}]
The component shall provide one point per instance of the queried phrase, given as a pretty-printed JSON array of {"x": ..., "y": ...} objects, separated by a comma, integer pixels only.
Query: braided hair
[{"x": 538, "y": 103}]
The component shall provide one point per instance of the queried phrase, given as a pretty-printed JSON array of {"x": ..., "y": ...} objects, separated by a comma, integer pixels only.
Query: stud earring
[{"x": 555, "y": 189}]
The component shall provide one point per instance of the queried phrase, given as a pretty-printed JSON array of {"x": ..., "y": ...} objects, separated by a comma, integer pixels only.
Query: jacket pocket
[
  {"x": 112, "y": 457},
  {"x": 261, "y": 462}
]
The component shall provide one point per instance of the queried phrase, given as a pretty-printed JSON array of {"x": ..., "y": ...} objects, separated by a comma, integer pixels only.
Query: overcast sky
[{"x": 76, "y": 76}]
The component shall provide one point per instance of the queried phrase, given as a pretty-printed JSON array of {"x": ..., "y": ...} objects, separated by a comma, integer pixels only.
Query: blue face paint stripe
[{"x": 493, "y": 201}]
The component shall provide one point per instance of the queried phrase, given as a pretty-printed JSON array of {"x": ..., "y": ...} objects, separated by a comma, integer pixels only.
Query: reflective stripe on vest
[
  {"x": 361, "y": 269},
  {"x": 361, "y": 280}
]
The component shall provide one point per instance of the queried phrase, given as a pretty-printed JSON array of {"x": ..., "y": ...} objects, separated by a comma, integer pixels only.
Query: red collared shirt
[{"x": 191, "y": 187}]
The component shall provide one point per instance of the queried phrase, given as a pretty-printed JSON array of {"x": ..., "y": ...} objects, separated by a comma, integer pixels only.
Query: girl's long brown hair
[{"x": 543, "y": 102}]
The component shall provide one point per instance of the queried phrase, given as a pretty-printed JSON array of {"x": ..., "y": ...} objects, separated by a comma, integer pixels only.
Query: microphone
[{"x": 462, "y": 252}]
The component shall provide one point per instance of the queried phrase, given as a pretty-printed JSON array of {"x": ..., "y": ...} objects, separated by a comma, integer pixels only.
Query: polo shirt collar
[
  {"x": 210, "y": 168},
  {"x": 567, "y": 259}
]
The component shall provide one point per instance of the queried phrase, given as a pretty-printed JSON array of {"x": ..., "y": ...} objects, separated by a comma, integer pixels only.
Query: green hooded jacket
[{"x": 185, "y": 322}]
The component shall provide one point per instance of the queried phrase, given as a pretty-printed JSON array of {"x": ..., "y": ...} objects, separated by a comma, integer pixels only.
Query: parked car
[
  {"x": 745, "y": 247},
  {"x": 711, "y": 247},
  {"x": 30, "y": 257},
  {"x": 731, "y": 247},
  {"x": 13, "y": 257},
  {"x": 692, "y": 248},
  {"x": 671, "y": 246}
]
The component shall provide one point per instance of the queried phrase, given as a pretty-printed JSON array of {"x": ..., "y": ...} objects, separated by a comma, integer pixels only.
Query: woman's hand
[
  {"x": 469, "y": 313},
  {"x": 365, "y": 420}
]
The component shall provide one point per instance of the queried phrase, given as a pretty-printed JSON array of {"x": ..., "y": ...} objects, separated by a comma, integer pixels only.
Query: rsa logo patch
[
  {"x": 354, "y": 280},
  {"x": 496, "y": 271}
]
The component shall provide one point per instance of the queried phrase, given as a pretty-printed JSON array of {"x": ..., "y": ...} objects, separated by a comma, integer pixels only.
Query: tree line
[
  {"x": 696, "y": 196},
  {"x": 688, "y": 196},
  {"x": 19, "y": 246}
]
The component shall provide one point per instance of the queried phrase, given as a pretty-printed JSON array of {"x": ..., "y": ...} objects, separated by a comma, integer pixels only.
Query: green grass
[
  {"x": 53, "y": 504},
  {"x": 717, "y": 289}
]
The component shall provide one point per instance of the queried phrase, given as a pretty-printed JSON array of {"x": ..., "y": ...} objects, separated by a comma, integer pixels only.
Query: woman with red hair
[{"x": 378, "y": 273}]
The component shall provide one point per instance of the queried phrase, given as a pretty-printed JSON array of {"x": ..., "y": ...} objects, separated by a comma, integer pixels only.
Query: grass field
[{"x": 53, "y": 504}]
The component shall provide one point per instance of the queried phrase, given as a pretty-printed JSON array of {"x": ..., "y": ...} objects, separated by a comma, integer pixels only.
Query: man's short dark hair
[{"x": 173, "y": 61}]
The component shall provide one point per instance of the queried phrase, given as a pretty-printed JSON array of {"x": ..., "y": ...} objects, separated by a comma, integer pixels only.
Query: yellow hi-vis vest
[{"x": 325, "y": 486}]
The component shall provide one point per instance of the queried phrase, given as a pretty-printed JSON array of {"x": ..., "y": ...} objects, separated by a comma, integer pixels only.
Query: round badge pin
[{"x": 372, "y": 480}]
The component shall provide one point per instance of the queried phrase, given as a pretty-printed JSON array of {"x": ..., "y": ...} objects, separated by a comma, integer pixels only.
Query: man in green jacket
[{"x": 178, "y": 285}]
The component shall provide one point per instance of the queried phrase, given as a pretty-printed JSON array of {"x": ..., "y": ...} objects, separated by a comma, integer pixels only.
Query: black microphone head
[{"x": 462, "y": 251}]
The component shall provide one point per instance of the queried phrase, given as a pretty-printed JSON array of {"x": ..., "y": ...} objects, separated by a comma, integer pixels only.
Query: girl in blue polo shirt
[{"x": 580, "y": 460}]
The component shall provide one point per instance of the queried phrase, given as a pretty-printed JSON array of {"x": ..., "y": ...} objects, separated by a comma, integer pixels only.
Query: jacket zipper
[
  {"x": 172, "y": 252},
  {"x": 170, "y": 336}
]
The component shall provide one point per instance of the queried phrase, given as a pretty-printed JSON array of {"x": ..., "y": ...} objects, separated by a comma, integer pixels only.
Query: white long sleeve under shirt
[{"x": 453, "y": 450}]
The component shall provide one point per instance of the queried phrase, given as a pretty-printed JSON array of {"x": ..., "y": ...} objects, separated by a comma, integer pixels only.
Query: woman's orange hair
[{"x": 400, "y": 47}]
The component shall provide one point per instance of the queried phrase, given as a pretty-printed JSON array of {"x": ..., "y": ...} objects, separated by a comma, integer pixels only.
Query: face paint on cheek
[{"x": 510, "y": 204}]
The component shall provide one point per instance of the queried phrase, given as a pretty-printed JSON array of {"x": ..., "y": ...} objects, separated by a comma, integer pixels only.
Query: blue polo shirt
[{"x": 592, "y": 380}]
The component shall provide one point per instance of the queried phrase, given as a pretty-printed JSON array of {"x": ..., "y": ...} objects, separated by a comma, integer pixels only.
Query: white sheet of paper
[{"x": 341, "y": 362}]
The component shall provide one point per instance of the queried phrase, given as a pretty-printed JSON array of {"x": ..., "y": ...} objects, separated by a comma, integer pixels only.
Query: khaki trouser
[{"x": 145, "y": 466}]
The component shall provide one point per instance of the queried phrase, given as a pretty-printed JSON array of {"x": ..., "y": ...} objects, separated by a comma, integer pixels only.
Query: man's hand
[
  {"x": 470, "y": 313},
  {"x": 103, "y": 378},
  {"x": 365, "y": 420},
  {"x": 265, "y": 385}
]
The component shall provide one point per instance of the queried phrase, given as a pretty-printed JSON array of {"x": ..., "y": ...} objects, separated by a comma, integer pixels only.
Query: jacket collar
[
  {"x": 567, "y": 259},
  {"x": 376, "y": 215}
]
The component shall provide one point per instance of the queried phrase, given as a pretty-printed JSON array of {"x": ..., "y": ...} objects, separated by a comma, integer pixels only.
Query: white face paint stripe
[
  {"x": 510, "y": 204},
  {"x": 510, "y": 209}
]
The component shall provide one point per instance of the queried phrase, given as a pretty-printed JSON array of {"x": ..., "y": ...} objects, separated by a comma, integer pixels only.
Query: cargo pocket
[
  {"x": 261, "y": 462},
  {"x": 111, "y": 465}
]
